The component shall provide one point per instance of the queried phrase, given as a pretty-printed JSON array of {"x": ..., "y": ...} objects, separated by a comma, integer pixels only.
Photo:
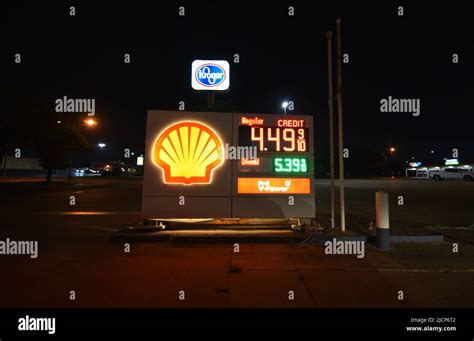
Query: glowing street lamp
[
  {"x": 90, "y": 122},
  {"x": 392, "y": 150},
  {"x": 101, "y": 146},
  {"x": 284, "y": 105}
]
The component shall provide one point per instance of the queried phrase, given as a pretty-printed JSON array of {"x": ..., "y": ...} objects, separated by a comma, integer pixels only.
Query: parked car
[
  {"x": 452, "y": 173},
  {"x": 101, "y": 168},
  {"x": 88, "y": 170}
]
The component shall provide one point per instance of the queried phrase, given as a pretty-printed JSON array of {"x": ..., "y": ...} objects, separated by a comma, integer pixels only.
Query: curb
[
  {"x": 417, "y": 239},
  {"x": 320, "y": 239},
  {"x": 209, "y": 238}
]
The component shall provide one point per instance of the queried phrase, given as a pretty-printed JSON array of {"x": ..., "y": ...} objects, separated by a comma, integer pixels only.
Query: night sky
[{"x": 281, "y": 57}]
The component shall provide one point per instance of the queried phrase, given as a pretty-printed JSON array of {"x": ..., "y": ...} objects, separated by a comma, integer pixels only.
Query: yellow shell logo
[{"x": 188, "y": 152}]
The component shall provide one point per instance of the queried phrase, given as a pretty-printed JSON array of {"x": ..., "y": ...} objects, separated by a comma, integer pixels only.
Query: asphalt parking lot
[
  {"x": 426, "y": 203},
  {"x": 75, "y": 253}
]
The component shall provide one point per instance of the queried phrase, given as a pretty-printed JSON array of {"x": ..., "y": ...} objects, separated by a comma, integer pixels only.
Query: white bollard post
[{"x": 382, "y": 220}]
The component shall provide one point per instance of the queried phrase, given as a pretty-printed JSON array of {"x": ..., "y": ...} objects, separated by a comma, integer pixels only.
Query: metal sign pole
[
  {"x": 339, "y": 110},
  {"x": 331, "y": 126},
  {"x": 210, "y": 100}
]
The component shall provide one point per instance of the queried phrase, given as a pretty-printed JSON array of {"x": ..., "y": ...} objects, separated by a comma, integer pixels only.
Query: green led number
[
  {"x": 304, "y": 166},
  {"x": 278, "y": 166},
  {"x": 290, "y": 165},
  {"x": 296, "y": 165}
]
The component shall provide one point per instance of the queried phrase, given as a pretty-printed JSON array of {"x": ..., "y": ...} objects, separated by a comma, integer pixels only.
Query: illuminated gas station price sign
[
  {"x": 279, "y": 139},
  {"x": 290, "y": 165},
  {"x": 228, "y": 165},
  {"x": 285, "y": 137},
  {"x": 283, "y": 144}
]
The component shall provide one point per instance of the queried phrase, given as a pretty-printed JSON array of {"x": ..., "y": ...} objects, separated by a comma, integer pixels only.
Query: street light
[
  {"x": 284, "y": 105},
  {"x": 101, "y": 146},
  {"x": 392, "y": 150},
  {"x": 90, "y": 122}
]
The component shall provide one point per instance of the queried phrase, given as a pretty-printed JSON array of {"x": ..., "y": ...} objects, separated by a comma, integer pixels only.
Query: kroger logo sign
[{"x": 210, "y": 75}]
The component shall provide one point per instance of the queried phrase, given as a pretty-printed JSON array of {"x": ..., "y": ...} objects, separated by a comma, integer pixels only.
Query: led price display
[
  {"x": 274, "y": 139},
  {"x": 290, "y": 165},
  {"x": 229, "y": 165}
]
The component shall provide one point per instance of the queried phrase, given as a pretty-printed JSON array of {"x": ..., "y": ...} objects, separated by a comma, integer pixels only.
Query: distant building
[{"x": 21, "y": 163}]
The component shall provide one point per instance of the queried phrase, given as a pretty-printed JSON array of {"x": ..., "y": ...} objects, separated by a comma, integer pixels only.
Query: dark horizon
[{"x": 281, "y": 58}]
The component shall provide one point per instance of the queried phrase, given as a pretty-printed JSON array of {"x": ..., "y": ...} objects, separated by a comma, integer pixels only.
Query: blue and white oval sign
[{"x": 210, "y": 75}]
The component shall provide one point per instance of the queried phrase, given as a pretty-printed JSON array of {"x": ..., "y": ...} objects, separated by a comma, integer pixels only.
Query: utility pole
[
  {"x": 69, "y": 173},
  {"x": 69, "y": 152},
  {"x": 340, "y": 130},
  {"x": 331, "y": 125},
  {"x": 5, "y": 158}
]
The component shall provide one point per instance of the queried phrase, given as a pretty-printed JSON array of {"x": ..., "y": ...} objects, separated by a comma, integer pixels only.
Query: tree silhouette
[{"x": 32, "y": 123}]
